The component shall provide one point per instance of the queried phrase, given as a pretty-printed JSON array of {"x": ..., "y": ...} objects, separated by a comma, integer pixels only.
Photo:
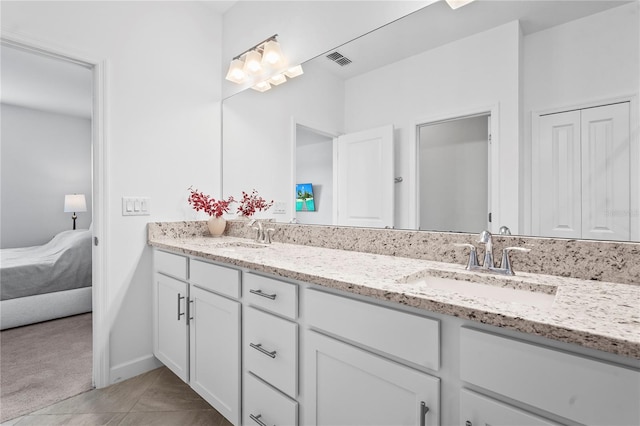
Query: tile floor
[{"x": 157, "y": 397}]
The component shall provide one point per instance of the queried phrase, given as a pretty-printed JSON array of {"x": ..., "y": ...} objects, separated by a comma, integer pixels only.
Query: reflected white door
[
  {"x": 556, "y": 182},
  {"x": 364, "y": 180},
  {"x": 581, "y": 174},
  {"x": 605, "y": 173}
]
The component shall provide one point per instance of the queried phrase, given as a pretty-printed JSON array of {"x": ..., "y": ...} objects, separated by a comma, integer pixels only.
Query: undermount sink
[
  {"x": 240, "y": 244},
  {"x": 495, "y": 288}
]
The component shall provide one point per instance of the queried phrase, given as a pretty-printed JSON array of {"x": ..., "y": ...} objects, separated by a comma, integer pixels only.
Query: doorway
[
  {"x": 453, "y": 174},
  {"x": 100, "y": 336}
]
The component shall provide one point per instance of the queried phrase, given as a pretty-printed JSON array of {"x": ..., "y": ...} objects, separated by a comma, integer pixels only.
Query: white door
[
  {"x": 605, "y": 173},
  {"x": 364, "y": 178},
  {"x": 215, "y": 351},
  {"x": 172, "y": 338},
  {"x": 346, "y": 385},
  {"x": 557, "y": 191},
  {"x": 478, "y": 410}
]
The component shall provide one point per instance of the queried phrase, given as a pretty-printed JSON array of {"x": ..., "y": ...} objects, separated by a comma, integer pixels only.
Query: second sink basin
[{"x": 487, "y": 291}]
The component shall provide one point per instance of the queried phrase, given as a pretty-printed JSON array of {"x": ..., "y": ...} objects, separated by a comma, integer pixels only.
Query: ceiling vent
[{"x": 339, "y": 59}]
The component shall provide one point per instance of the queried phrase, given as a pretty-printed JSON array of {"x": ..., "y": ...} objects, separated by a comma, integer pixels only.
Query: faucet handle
[
  {"x": 506, "y": 263},
  {"x": 473, "y": 255}
]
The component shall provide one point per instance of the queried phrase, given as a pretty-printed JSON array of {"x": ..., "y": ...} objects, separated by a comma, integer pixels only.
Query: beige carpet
[{"x": 44, "y": 363}]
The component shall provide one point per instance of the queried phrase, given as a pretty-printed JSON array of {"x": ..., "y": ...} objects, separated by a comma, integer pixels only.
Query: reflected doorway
[
  {"x": 314, "y": 166},
  {"x": 453, "y": 174}
]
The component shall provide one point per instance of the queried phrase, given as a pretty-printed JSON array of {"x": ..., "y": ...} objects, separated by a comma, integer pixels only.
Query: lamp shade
[
  {"x": 236, "y": 71},
  {"x": 455, "y": 4},
  {"x": 294, "y": 71},
  {"x": 262, "y": 86},
  {"x": 75, "y": 203},
  {"x": 272, "y": 54},
  {"x": 252, "y": 63}
]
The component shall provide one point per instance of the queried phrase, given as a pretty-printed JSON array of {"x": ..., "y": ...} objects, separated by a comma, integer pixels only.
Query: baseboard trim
[{"x": 133, "y": 368}]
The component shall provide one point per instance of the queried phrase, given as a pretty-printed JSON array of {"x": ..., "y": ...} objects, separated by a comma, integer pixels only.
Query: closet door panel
[
  {"x": 557, "y": 208},
  {"x": 605, "y": 172}
]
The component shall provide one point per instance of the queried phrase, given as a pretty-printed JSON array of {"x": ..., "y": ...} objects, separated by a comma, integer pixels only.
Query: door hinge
[
  {"x": 489, "y": 137},
  {"x": 95, "y": 241},
  {"x": 489, "y": 217}
]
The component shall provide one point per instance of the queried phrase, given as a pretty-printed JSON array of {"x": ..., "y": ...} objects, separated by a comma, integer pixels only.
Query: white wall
[
  {"x": 314, "y": 164},
  {"x": 592, "y": 59},
  {"x": 163, "y": 126},
  {"x": 469, "y": 75},
  {"x": 305, "y": 28},
  {"x": 44, "y": 157}
]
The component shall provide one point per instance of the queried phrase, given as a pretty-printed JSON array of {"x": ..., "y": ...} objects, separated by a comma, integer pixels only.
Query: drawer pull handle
[
  {"x": 423, "y": 413},
  {"x": 259, "y": 348},
  {"x": 179, "y": 313},
  {"x": 260, "y": 293},
  {"x": 257, "y": 419}
]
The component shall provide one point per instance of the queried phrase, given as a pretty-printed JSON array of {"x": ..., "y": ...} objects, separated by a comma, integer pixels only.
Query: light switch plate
[
  {"x": 280, "y": 207},
  {"x": 136, "y": 206}
]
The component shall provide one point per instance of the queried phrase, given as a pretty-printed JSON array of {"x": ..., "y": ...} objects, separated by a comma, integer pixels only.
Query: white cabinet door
[
  {"x": 479, "y": 410},
  {"x": 581, "y": 174},
  {"x": 605, "y": 173},
  {"x": 557, "y": 191},
  {"x": 364, "y": 181},
  {"x": 171, "y": 338},
  {"x": 346, "y": 385},
  {"x": 215, "y": 351}
]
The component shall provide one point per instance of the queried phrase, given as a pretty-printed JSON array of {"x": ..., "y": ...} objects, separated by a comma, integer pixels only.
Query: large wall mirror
[{"x": 499, "y": 115}]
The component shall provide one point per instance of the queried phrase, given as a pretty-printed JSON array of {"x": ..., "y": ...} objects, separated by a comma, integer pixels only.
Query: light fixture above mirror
[{"x": 258, "y": 64}]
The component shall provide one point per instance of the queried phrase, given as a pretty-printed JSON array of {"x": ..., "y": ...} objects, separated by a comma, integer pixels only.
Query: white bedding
[{"x": 63, "y": 263}]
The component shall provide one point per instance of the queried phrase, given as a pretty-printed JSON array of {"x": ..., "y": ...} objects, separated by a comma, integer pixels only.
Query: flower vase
[{"x": 216, "y": 225}]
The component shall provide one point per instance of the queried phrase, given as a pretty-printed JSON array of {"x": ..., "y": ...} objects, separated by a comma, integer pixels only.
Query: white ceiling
[
  {"x": 51, "y": 84},
  {"x": 44, "y": 83},
  {"x": 437, "y": 24}
]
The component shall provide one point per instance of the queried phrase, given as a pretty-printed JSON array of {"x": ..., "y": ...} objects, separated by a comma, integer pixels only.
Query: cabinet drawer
[
  {"x": 407, "y": 336},
  {"x": 270, "y": 294},
  {"x": 476, "y": 409},
  {"x": 171, "y": 264},
  {"x": 265, "y": 404},
  {"x": 271, "y": 350},
  {"x": 215, "y": 278},
  {"x": 571, "y": 386}
]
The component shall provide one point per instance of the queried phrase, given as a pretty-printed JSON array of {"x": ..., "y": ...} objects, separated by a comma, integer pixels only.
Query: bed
[{"x": 46, "y": 282}]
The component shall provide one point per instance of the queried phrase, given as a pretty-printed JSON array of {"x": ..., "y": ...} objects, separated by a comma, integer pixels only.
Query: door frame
[
  {"x": 100, "y": 155},
  {"x": 493, "y": 190},
  {"x": 634, "y": 153}
]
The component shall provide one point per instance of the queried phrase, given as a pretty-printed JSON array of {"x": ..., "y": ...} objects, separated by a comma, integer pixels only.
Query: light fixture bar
[{"x": 257, "y": 46}]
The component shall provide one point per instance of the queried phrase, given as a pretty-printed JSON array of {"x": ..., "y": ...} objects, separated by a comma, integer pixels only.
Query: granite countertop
[{"x": 593, "y": 314}]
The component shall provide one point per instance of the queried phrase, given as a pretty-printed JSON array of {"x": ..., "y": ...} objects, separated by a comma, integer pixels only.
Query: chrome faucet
[
  {"x": 259, "y": 230},
  {"x": 488, "y": 265},
  {"x": 262, "y": 235}
]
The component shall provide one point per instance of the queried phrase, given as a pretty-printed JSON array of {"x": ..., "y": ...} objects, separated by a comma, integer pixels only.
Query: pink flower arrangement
[
  {"x": 252, "y": 203},
  {"x": 202, "y": 202}
]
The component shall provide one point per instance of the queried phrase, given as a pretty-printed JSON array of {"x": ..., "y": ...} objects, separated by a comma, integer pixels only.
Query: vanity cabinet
[
  {"x": 314, "y": 356},
  {"x": 270, "y": 351},
  {"x": 350, "y": 383},
  {"x": 479, "y": 410},
  {"x": 568, "y": 385},
  {"x": 215, "y": 351},
  {"x": 171, "y": 337},
  {"x": 197, "y": 327}
]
